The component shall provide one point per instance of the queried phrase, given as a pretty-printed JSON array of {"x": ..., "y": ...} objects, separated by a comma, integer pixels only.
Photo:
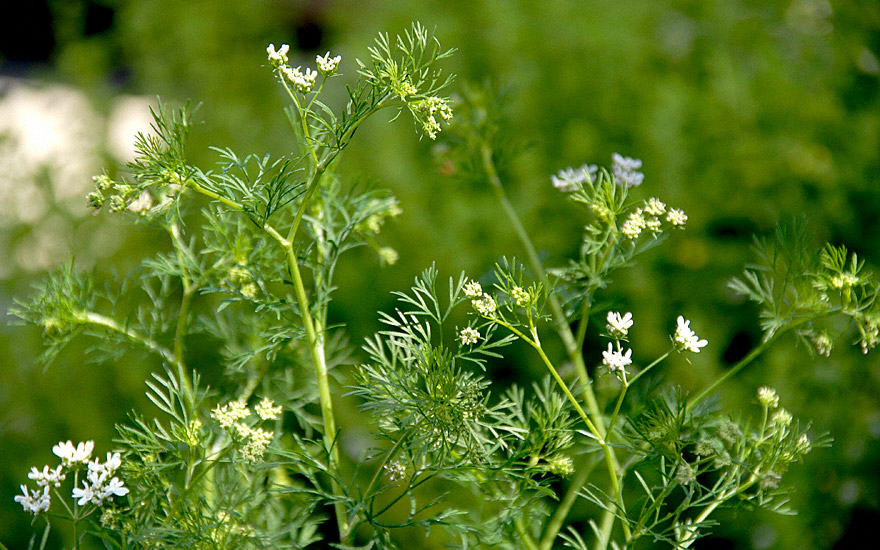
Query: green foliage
[{"x": 256, "y": 460}]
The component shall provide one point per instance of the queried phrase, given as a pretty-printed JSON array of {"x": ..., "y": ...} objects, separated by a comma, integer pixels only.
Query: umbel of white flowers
[
  {"x": 616, "y": 359},
  {"x": 99, "y": 486}
]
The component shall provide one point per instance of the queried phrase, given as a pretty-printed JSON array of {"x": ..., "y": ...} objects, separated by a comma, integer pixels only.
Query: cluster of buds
[
  {"x": 482, "y": 302},
  {"x": 650, "y": 218},
  {"x": 251, "y": 441},
  {"x": 429, "y": 108},
  {"x": 120, "y": 195}
]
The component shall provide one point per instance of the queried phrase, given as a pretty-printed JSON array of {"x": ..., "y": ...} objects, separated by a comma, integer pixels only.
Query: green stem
[
  {"x": 302, "y": 118},
  {"x": 571, "y": 398},
  {"x": 564, "y": 507},
  {"x": 572, "y": 346},
  {"x": 626, "y": 386},
  {"x": 752, "y": 355},
  {"x": 94, "y": 318},
  {"x": 183, "y": 314},
  {"x": 559, "y": 318}
]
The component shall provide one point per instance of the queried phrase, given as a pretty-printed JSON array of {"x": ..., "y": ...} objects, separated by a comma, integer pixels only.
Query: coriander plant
[{"x": 457, "y": 458}]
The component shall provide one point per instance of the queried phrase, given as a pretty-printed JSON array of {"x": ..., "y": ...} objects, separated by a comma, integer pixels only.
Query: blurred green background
[{"x": 744, "y": 113}]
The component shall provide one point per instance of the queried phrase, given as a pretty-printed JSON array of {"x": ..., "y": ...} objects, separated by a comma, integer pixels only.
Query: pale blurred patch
[
  {"x": 52, "y": 141},
  {"x": 129, "y": 115}
]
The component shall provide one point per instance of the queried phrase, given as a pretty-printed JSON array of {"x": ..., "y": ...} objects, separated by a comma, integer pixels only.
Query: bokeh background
[{"x": 745, "y": 113}]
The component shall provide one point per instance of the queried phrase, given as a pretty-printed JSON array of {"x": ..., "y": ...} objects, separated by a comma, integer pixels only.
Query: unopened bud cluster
[{"x": 251, "y": 441}]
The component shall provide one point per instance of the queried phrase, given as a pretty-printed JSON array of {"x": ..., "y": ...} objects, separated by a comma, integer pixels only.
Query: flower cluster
[
  {"x": 482, "y": 302},
  {"x": 327, "y": 65},
  {"x": 615, "y": 358},
  {"x": 618, "y": 325},
  {"x": 568, "y": 180},
  {"x": 228, "y": 414},
  {"x": 278, "y": 58},
  {"x": 302, "y": 81},
  {"x": 100, "y": 484},
  {"x": 71, "y": 455},
  {"x": 648, "y": 217},
  {"x": 429, "y": 108},
  {"x": 625, "y": 170},
  {"x": 256, "y": 441},
  {"x": 251, "y": 441},
  {"x": 469, "y": 336},
  {"x": 685, "y": 339},
  {"x": 767, "y": 397},
  {"x": 395, "y": 470},
  {"x": 34, "y": 502}
]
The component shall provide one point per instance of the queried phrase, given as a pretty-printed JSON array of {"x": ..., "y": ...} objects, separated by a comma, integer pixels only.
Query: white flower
[
  {"x": 327, "y": 65},
  {"x": 229, "y": 413},
  {"x": 568, "y": 179},
  {"x": 73, "y": 455},
  {"x": 85, "y": 495},
  {"x": 143, "y": 203},
  {"x": 267, "y": 410},
  {"x": 303, "y": 82},
  {"x": 676, "y": 217},
  {"x": 633, "y": 225},
  {"x": 34, "y": 502},
  {"x": 767, "y": 397},
  {"x": 625, "y": 171},
  {"x": 473, "y": 289},
  {"x": 616, "y": 360},
  {"x": 469, "y": 336},
  {"x": 685, "y": 339},
  {"x": 48, "y": 476},
  {"x": 655, "y": 207},
  {"x": 115, "y": 487},
  {"x": 114, "y": 461},
  {"x": 279, "y": 57},
  {"x": 618, "y": 325},
  {"x": 485, "y": 305}
]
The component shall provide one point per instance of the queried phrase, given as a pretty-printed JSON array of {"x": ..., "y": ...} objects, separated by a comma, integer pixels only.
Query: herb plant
[{"x": 257, "y": 461}]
